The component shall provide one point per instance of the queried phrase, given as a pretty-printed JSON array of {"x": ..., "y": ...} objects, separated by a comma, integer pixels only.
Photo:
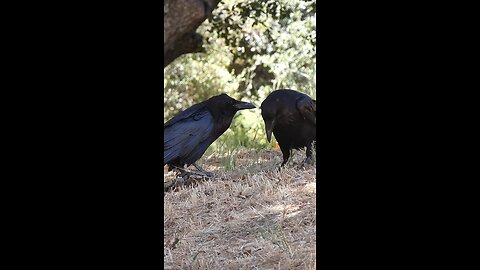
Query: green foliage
[{"x": 252, "y": 48}]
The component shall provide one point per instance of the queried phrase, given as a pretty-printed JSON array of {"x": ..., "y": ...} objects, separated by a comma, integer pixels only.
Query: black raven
[
  {"x": 189, "y": 133},
  {"x": 291, "y": 116}
]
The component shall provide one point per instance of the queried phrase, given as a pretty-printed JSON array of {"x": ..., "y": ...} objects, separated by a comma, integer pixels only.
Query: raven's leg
[
  {"x": 309, "y": 159},
  {"x": 200, "y": 169},
  {"x": 179, "y": 170},
  {"x": 182, "y": 173},
  {"x": 286, "y": 155}
]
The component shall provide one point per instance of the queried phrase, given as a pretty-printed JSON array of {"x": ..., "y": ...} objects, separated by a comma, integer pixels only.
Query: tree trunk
[{"x": 181, "y": 19}]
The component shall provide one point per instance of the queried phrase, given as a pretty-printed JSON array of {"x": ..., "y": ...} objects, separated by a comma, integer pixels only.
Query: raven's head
[
  {"x": 269, "y": 117},
  {"x": 226, "y": 105},
  {"x": 273, "y": 110}
]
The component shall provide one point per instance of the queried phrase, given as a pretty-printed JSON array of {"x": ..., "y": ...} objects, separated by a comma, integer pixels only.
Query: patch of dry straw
[{"x": 255, "y": 217}]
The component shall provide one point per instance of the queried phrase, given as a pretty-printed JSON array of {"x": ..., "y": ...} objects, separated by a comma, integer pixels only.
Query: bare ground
[{"x": 252, "y": 217}]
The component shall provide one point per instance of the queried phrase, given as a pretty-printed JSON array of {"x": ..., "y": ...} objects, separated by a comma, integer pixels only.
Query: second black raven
[
  {"x": 189, "y": 133},
  {"x": 291, "y": 116}
]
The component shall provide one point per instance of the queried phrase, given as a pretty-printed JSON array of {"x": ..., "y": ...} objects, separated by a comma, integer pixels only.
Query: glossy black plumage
[
  {"x": 291, "y": 116},
  {"x": 188, "y": 134}
]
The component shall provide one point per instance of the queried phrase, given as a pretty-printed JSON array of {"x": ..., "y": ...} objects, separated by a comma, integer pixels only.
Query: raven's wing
[
  {"x": 187, "y": 138},
  {"x": 307, "y": 108},
  {"x": 185, "y": 114}
]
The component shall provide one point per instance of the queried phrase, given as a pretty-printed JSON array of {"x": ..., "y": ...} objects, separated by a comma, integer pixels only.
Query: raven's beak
[
  {"x": 269, "y": 129},
  {"x": 240, "y": 105}
]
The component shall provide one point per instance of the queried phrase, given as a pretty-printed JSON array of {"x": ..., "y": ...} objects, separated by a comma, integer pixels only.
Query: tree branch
[
  {"x": 181, "y": 19},
  {"x": 189, "y": 43}
]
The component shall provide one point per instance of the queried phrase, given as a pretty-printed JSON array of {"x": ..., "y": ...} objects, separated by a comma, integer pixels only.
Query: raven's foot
[
  {"x": 307, "y": 161},
  {"x": 202, "y": 172},
  {"x": 186, "y": 175},
  {"x": 282, "y": 166}
]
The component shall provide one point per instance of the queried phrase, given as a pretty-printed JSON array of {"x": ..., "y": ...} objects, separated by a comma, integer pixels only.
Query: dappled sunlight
[
  {"x": 310, "y": 187},
  {"x": 246, "y": 216},
  {"x": 285, "y": 210}
]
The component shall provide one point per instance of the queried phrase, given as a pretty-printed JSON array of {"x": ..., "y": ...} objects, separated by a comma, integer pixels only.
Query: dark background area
[{"x": 83, "y": 132}]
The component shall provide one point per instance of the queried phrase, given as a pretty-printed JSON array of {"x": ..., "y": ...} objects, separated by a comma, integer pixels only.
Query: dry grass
[{"x": 254, "y": 217}]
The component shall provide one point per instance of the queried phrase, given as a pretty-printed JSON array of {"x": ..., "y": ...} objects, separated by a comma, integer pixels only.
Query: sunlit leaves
[{"x": 252, "y": 48}]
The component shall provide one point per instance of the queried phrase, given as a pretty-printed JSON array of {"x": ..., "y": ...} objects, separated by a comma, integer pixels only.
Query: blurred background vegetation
[{"x": 252, "y": 48}]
